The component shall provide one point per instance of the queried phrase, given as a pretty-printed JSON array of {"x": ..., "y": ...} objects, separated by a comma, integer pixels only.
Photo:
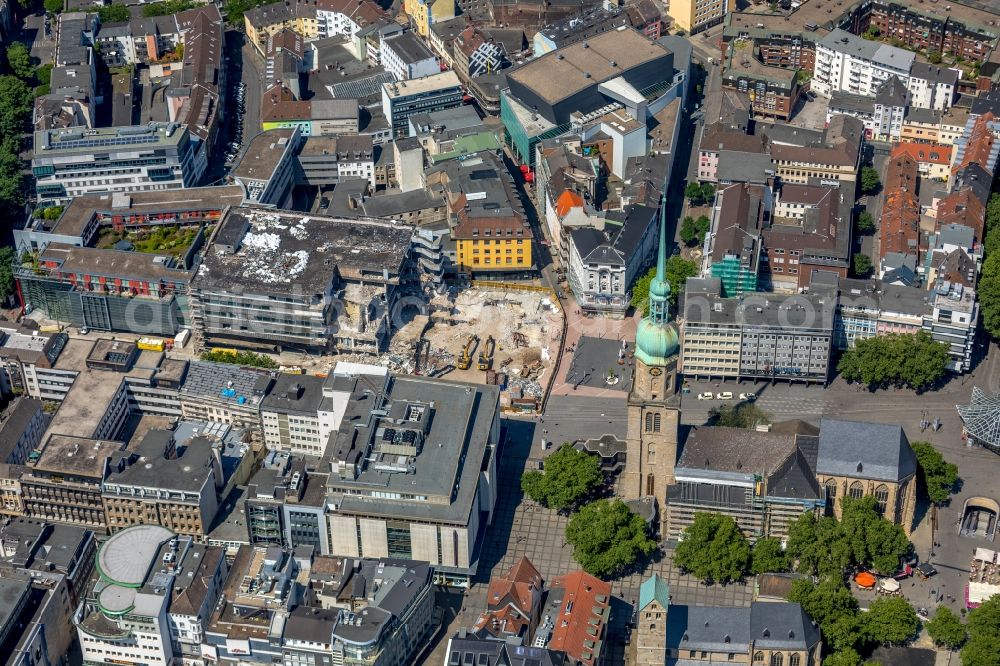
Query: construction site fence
[{"x": 510, "y": 286}]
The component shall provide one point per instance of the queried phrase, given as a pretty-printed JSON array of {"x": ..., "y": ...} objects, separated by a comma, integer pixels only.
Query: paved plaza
[{"x": 595, "y": 360}]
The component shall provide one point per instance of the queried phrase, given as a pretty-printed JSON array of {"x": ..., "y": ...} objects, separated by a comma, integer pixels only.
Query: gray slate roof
[{"x": 864, "y": 450}]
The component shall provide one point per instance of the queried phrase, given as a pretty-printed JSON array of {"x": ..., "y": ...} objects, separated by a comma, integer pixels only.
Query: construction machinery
[
  {"x": 486, "y": 356},
  {"x": 465, "y": 360}
]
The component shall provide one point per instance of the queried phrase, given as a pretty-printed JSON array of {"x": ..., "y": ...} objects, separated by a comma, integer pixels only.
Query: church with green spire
[{"x": 653, "y": 403}]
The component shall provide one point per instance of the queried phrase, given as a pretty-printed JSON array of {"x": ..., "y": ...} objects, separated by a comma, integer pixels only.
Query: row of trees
[
  {"x": 715, "y": 550},
  {"x": 15, "y": 113},
  {"x": 846, "y": 631},
  {"x": 989, "y": 279},
  {"x": 914, "y": 361},
  {"x": 606, "y": 536},
  {"x": 699, "y": 194}
]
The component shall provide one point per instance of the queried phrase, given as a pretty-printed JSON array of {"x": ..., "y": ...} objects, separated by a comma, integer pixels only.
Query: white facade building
[
  {"x": 848, "y": 63},
  {"x": 932, "y": 86}
]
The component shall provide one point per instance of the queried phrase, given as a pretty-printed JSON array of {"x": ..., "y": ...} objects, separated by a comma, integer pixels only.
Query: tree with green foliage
[
  {"x": 866, "y": 224},
  {"x": 640, "y": 291},
  {"x": 870, "y": 183},
  {"x": 247, "y": 358},
  {"x": 7, "y": 286},
  {"x": 983, "y": 626},
  {"x": 848, "y": 657},
  {"x": 934, "y": 57},
  {"x": 713, "y": 549},
  {"x": 874, "y": 541},
  {"x": 992, "y": 242},
  {"x": 937, "y": 476},
  {"x": 946, "y": 629},
  {"x": 234, "y": 9},
  {"x": 607, "y": 537},
  {"x": 863, "y": 267},
  {"x": 828, "y": 547},
  {"x": 707, "y": 193},
  {"x": 745, "y": 415},
  {"x": 915, "y": 361},
  {"x": 168, "y": 7},
  {"x": 678, "y": 271},
  {"x": 43, "y": 73},
  {"x": 693, "y": 231},
  {"x": 989, "y": 292},
  {"x": 15, "y": 106},
  {"x": 19, "y": 60},
  {"x": 114, "y": 14},
  {"x": 569, "y": 477},
  {"x": 694, "y": 194},
  {"x": 993, "y": 211},
  {"x": 832, "y": 606},
  {"x": 891, "y": 621},
  {"x": 53, "y": 6},
  {"x": 50, "y": 213},
  {"x": 767, "y": 556},
  {"x": 816, "y": 545},
  {"x": 15, "y": 112}
]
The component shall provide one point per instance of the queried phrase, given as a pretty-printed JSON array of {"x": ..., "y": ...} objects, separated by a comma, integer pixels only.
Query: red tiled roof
[
  {"x": 980, "y": 143},
  {"x": 584, "y": 599},
  {"x": 921, "y": 152},
  {"x": 513, "y": 601},
  {"x": 567, "y": 201}
]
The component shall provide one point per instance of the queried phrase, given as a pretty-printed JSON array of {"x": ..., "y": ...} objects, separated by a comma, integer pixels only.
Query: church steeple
[
  {"x": 658, "y": 310},
  {"x": 657, "y": 339}
]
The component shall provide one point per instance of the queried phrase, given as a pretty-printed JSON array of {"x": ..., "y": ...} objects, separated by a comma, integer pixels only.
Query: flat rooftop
[
  {"x": 284, "y": 252},
  {"x": 74, "y": 355},
  {"x": 82, "y": 141},
  {"x": 187, "y": 472},
  {"x": 81, "y": 210},
  {"x": 86, "y": 402},
  {"x": 112, "y": 263},
  {"x": 446, "y": 468},
  {"x": 77, "y": 456},
  {"x": 564, "y": 72},
  {"x": 264, "y": 154},
  {"x": 422, "y": 85}
]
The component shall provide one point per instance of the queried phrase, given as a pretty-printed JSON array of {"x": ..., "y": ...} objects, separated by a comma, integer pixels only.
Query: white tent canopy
[
  {"x": 889, "y": 584},
  {"x": 986, "y": 555}
]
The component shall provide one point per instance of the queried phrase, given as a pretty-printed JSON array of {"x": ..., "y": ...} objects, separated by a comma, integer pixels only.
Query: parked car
[
  {"x": 725, "y": 395},
  {"x": 749, "y": 397},
  {"x": 705, "y": 396},
  {"x": 324, "y": 203}
]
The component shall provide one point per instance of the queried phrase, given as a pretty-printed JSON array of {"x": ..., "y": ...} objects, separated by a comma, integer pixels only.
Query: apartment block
[
  {"x": 127, "y": 610},
  {"x": 324, "y": 161},
  {"x": 388, "y": 626},
  {"x": 21, "y": 430},
  {"x": 758, "y": 336},
  {"x": 697, "y": 15},
  {"x": 285, "y": 505},
  {"x": 402, "y": 99},
  {"x": 171, "y": 479},
  {"x": 267, "y": 169},
  {"x": 75, "y": 162}
]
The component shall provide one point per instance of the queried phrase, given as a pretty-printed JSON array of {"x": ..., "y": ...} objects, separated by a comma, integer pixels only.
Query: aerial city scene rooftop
[{"x": 499, "y": 332}]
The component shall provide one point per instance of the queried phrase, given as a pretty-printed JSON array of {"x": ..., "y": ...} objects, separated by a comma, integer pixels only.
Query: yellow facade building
[
  {"x": 697, "y": 15},
  {"x": 425, "y": 13},
  {"x": 492, "y": 244}
]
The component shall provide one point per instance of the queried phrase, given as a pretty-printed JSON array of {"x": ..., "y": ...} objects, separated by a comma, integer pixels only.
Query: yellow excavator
[
  {"x": 466, "y": 358},
  {"x": 486, "y": 356}
]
